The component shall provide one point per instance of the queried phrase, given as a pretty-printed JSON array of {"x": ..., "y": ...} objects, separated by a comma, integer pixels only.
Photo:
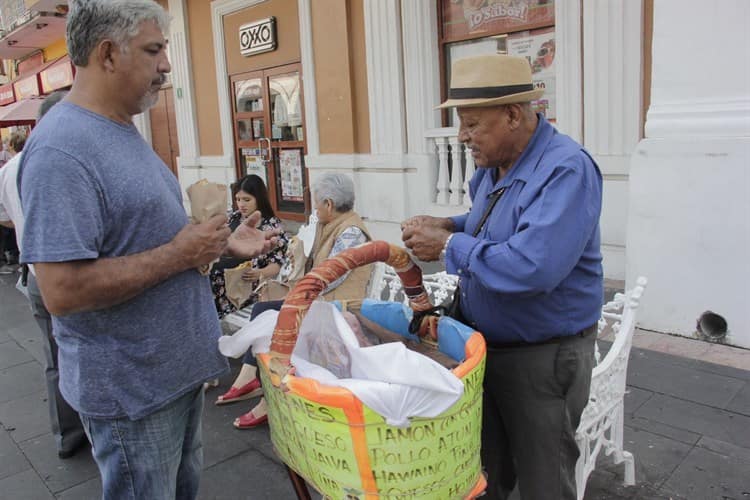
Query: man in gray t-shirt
[{"x": 116, "y": 259}]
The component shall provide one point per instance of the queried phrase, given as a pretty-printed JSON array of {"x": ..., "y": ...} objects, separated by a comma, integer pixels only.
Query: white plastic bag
[
  {"x": 256, "y": 333},
  {"x": 22, "y": 288},
  {"x": 389, "y": 378}
]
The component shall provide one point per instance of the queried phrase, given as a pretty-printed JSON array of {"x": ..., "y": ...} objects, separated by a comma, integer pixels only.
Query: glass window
[
  {"x": 290, "y": 179},
  {"x": 244, "y": 130},
  {"x": 286, "y": 114},
  {"x": 248, "y": 95},
  {"x": 537, "y": 46},
  {"x": 476, "y": 47}
]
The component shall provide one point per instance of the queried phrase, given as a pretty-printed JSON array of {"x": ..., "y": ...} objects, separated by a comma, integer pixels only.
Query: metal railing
[{"x": 13, "y": 13}]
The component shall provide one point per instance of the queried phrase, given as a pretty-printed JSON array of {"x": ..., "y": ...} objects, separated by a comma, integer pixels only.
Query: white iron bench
[{"x": 601, "y": 426}]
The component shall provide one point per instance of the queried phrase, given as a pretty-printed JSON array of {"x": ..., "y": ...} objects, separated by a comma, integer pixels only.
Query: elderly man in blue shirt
[{"x": 530, "y": 268}]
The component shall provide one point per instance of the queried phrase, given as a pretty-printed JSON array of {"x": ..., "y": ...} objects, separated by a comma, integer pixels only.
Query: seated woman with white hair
[{"x": 339, "y": 228}]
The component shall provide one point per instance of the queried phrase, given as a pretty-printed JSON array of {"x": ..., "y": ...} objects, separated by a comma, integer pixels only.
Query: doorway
[
  {"x": 269, "y": 135},
  {"x": 164, "y": 129}
]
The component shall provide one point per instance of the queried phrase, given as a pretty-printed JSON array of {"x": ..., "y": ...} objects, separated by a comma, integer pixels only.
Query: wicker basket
[{"x": 342, "y": 447}]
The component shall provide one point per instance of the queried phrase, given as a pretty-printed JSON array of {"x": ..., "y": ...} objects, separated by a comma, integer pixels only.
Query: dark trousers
[
  {"x": 66, "y": 426},
  {"x": 260, "y": 307},
  {"x": 8, "y": 246},
  {"x": 533, "y": 399}
]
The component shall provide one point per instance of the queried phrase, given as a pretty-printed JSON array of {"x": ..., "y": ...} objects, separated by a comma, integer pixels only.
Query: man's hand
[
  {"x": 201, "y": 244},
  {"x": 247, "y": 241},
  {"x": 426, "y": 236},
  {"x": 429, "y": 221}
]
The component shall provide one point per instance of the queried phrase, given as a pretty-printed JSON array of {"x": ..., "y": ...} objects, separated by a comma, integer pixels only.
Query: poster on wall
[
  {"x": 538, "y": 47},
  {"x": 466, "y": 18},
  {"x": 290, "y": 168},
  {"x": 254, "y": 163}
]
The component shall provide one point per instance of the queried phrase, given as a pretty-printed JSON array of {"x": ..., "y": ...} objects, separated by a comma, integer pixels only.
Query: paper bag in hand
[
  {"x": 206, "y": 200},
  {"x": 237, "y": 290}
]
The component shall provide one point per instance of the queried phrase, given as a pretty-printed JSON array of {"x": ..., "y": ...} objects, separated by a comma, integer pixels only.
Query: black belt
[{"x": 554, "y": 340}]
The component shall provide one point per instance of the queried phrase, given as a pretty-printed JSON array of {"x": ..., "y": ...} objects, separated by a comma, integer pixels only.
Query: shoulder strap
[{"x": 494, "y": 197}]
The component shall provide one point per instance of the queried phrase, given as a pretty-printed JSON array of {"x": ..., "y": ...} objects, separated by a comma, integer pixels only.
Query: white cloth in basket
[{"x": 394, "y": 381}]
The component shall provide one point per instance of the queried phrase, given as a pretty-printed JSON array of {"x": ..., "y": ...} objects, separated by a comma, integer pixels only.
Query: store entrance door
[
  {"x": 269, "y": 135},
  {"x": 164, "y": 129}
]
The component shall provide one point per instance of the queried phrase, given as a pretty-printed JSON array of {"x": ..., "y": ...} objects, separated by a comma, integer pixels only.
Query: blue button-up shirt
[{"x": 534, "y": 271}]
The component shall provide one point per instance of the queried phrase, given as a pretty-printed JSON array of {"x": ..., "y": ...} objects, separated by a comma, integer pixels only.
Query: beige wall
[
  {"x": 358, "y": 59},
  {"x": 340, "y": 76},
  {"x": 204, "y": 77},
  {"x": 340, "y": 67},
  {"x": 287, "y": 36}
]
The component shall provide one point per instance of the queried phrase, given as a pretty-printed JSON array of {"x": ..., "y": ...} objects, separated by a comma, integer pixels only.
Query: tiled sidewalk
[{"x": 687, "y": 422}]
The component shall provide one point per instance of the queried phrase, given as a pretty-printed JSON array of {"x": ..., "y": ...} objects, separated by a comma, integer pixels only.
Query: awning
[
  {"x": 30, "y": 84},
  {"x": 7, "y": 95},
  {"x": 23, "y": 112},
  {"x": 58, "y": 75}
]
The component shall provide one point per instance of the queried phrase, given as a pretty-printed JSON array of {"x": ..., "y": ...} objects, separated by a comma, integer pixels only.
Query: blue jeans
[{"x": 157, "y": 457}]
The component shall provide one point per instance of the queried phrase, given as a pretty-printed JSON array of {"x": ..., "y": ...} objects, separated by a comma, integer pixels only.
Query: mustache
[{"x": 161, "y": 80}]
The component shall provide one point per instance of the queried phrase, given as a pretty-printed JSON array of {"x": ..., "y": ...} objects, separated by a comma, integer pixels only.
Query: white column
[
  {"x": 421, "y": 71},
  {"x": 182, "y": 84},
  {"x": 568, "y": 76},
  {"x": 689, "y": 218},
  {"x": 612, "y": 31},
  {"x": 142, "y": 122},
  {"x": 385, "y": 76},
  {"x": 612, "y": 45},
  {"x": 457, "y": 179},
  {"x": 443, "y": 182},
  {"x": 308, "y": 78}
]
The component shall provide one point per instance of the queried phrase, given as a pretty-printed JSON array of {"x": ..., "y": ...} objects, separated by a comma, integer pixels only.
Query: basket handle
[{"x": 299, "y": 299}]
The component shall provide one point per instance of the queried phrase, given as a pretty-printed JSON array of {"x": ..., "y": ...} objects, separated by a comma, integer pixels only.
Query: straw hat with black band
[{"x": 490, "y": 80}]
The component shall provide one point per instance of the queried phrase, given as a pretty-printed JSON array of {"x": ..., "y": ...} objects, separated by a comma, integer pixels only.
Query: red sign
[
  {"x": 464, "y": 19},
  {"x": 57, "y": 76},
  {"x": 27, "y": 87},
  {"x": 7, "y": 95}
]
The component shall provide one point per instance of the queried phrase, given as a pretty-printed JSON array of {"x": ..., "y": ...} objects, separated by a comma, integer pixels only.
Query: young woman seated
[{"x": 250, "y": 194}]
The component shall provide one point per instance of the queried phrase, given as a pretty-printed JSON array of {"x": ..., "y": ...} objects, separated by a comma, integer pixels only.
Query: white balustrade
[{"x": 455, "y": 167}]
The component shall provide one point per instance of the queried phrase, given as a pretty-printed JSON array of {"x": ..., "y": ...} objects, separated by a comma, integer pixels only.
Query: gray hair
[
  {"x": 50, "y": 101},
  {"x": 91, "y": 21},
  {"x": 338, "y": 188}
]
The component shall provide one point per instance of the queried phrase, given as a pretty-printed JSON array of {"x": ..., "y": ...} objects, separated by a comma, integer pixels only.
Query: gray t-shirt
[{"x": 93, "y": 188}]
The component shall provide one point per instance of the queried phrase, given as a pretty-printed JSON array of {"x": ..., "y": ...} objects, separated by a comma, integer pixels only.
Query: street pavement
[{"x": 687, "y": 423}]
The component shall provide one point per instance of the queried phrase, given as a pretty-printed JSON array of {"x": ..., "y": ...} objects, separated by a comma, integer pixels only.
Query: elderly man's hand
[
  {"x": 247, "y": 241},
  {"x": 426, "y": 236},
  {"x": 200, "y": 244},
  {"x": 428, "y": 221}
]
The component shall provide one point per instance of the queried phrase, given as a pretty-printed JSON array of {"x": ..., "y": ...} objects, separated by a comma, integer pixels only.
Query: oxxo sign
[{"x": 258, "y": 36}]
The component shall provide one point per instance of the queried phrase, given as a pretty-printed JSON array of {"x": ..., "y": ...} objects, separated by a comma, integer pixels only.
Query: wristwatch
[{"x": 445, "y": 248}]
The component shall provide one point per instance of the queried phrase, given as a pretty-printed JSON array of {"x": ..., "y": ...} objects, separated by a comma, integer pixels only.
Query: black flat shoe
[{"x": 65, "y": 454}]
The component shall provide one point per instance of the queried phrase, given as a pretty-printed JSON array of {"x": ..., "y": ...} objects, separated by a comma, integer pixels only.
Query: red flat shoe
[
  {"x": 248, "y": 421},
  {"x": 250, "y": 390}
]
